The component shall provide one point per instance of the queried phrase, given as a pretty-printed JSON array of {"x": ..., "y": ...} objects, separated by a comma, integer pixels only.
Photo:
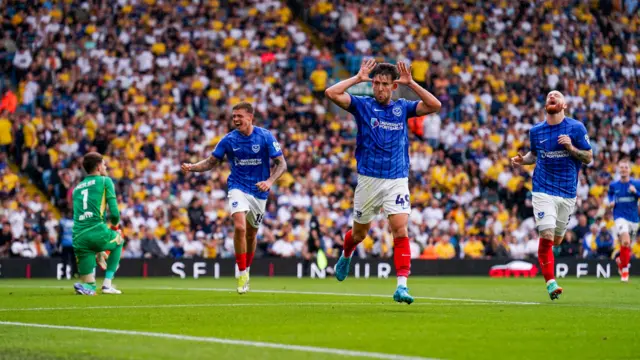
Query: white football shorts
[
  {"x": 252, "y": 206},
  {"x": 373, "y": 194},
  {"x": 626, "y": 226},
  {"x": 552, "y": 212}
]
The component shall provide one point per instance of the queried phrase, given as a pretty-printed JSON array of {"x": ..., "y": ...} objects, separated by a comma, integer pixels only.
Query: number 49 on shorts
[{"x": 403, "y": 201}]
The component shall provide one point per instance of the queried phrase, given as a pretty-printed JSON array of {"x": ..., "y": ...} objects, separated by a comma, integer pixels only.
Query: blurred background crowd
[{"x": 150, "y": 84}]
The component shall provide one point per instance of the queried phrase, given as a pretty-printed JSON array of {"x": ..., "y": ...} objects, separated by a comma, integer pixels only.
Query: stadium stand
[{"x": 151, "y": 85}]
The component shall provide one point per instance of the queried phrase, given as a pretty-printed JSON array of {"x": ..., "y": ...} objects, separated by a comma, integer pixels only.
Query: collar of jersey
[{"x": 391, "y": 103}]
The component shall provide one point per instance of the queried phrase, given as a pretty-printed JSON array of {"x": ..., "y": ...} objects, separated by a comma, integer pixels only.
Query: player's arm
[
  {"x": 338, "y": 92},
  {"x": 611, "y": 198},
  {"x": 201, "y": 166},
  {"x": 278, "y": 163},
  {"x": 112, "y": 202},
  {"x": 528, "y": 159},
  {"x": 582, "y": 149},
  {"x": 428, "y": 103},
  {"x": 212, "y": 161}
]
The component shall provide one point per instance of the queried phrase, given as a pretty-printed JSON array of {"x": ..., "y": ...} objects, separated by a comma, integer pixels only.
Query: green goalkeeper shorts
[{"x": 89, "y": 243}]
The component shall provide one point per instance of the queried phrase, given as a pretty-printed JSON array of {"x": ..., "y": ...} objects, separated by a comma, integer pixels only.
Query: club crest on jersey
[
  {"x": 397, "y": 111},
  {"x": 255, "y": 148},
  {"x": 234, "y": 204},
  {"x": 375, "y": 122},
  {"x": 540, "y": 214},
  {"x": 358, "y": 214}
]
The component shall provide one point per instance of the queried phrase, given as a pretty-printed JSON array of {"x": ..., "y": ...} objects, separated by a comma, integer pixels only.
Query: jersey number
[
  {"x": 85, "y": 197},
  {"x": 400, "y": 200}
]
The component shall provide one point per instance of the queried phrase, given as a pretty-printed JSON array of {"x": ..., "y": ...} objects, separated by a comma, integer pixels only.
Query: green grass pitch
[{"x": 288, "y": 318}]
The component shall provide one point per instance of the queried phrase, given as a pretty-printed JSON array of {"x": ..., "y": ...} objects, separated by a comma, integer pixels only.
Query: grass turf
[{"x": 594, "y": 319}]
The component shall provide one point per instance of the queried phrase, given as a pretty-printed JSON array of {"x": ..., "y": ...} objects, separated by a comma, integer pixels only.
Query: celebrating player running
[
  {"x": 382, "y": 154},
  {"x": 559, "y": 147},
  {"x": 623, "y": 198},
  {"x": 249, "y": 150}
]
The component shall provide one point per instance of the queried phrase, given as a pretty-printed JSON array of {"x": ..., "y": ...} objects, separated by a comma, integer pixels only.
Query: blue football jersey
[
  {"x": 626, "y": 206},
  {"x": 382, "y": 143},
  {"x": 249, "y": 157},
  {"x": 556, "y": 171}
]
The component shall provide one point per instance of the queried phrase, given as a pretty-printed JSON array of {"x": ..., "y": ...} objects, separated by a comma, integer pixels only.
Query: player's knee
[
  {"x": 547, "y": 234},
  {"x": 399, "y": 231},
  {"x": 241, "y": 228},
  {"x": 358, "y": 236},
  {"x": 557, "y": 239}
]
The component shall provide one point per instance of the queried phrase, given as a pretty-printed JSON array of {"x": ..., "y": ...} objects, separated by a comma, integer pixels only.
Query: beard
[{"x": 553, "y": 109}]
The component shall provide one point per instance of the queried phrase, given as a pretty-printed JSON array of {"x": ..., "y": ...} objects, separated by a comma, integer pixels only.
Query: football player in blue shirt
[
  {"x": 623, "y": 198},
  {"x": 382, "y": 155},
  {"x": 250, "y": 150},
  {"x": 559, "y": 147}
]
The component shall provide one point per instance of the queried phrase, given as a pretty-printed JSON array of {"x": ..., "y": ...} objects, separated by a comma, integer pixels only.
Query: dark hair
[
  {"x": 244, "y": 106},
  {"x": 385, "y": 69},
  {"x": 91, "y": 161}
]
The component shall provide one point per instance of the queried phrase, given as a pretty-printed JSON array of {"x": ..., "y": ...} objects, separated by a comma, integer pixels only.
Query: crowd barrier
[{"x": 361, "y": 268}]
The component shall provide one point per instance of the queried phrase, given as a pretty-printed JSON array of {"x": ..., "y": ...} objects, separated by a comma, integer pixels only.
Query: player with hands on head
[{"x": 382, "y": 154}]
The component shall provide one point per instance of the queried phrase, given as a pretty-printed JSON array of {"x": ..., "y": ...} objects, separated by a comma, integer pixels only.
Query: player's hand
[
  {"x": 405, "y": 74},
  {"x": 264, "y": 185},
  {"x": 366, "y": 68},
  {"x": 566, "y": 141},
  {"x": 632, "y": 189},
  {"x": 186, "y": 167},
  {"x": 517, "y": 160}
]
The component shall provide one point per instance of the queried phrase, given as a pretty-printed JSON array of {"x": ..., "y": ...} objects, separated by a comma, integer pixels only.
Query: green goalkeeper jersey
[{"x": 90, "y": 199}]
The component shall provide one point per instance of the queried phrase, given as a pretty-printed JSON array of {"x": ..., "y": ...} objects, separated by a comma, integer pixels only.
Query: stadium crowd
[{"x": 150, "y": 85}]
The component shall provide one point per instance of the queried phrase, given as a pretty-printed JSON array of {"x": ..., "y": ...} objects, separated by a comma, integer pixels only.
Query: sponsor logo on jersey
[
  {"x": 86, "y": 215},
  {"x": 397, "y": 111},
  {"x": 247, "y": 162},
  {"x": 626, "y": 199},
  {"x": 554, "y": 154},
  {"x": 255, "y": 148},
  {"x": 385, "y": 125}
]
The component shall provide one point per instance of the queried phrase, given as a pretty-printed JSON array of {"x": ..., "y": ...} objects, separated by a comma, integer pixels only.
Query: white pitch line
[
  {"x": 257, "y": 344},
  {"x": 480, "y": 301}
]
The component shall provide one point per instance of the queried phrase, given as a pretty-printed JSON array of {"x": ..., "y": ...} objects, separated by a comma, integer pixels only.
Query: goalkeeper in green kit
[{"x": 92, "y": 237}]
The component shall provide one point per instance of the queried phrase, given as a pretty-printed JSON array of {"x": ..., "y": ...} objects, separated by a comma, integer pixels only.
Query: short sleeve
[
  {"x": 355, "y": 107},
  {"x": 220, "y": 149},
  {"x": 611, "y": 194},
  {"x": 581, "y": 137},
  {"x": 273, "y": 145},
  {"x": 532, "y": 142},
  {"x": 411, "y": 107}
]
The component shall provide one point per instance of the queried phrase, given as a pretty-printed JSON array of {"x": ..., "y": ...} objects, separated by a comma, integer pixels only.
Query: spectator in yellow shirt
[
  {"x": 474, "y": 248},
  {"x": 319, "y": 78},
  {"x": 445, "y": 249},
  {"x": 635, "y": 249},
  {"x": 5, "y": 132}
]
